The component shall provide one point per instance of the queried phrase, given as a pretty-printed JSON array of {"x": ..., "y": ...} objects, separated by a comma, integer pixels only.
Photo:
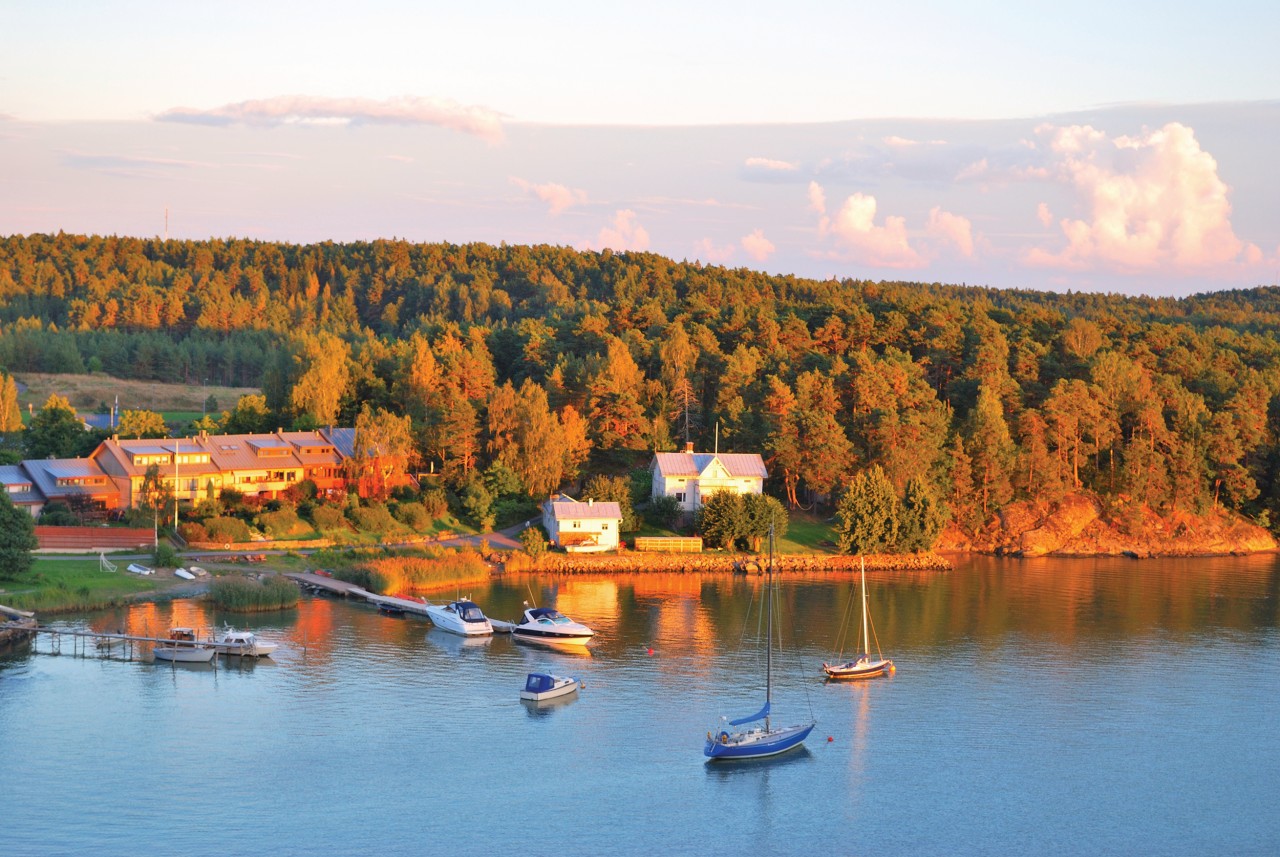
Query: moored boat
[
  {"x": 539, "y": 687},
  {"x": 184, "y": 647},
  {"x": 865, "y": 665},
  {"x": 549, "y": 627},
  {"x": 244, "y": 644},
  {"x": 460, "y": 617}
]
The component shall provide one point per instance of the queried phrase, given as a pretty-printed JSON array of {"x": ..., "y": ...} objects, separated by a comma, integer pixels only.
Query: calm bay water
[{"x": 1040, "y": 707}]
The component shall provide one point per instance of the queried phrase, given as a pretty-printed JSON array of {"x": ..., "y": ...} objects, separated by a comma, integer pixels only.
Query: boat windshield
[
  {"x": 547, "y": 616},
  {"x": 470, "y": 613}
]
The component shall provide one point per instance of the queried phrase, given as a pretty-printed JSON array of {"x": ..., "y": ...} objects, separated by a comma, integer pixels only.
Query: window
[
  {"x": 605, "y": 525},
  {"x": 679, "y": 496}
]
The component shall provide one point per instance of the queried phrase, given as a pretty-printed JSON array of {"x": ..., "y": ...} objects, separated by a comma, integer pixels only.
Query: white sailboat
[{"x": 864, "y": 666}]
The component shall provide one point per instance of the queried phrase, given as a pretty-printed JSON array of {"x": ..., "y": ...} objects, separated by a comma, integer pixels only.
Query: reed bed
[
  {"x": 249, "y": 595},
  {"x": 434, "y": 569}
]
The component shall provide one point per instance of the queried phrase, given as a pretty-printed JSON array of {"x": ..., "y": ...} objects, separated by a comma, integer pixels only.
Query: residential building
[
  {"x": 579, "y": 527},
  {"x": 691, "y": 477}
]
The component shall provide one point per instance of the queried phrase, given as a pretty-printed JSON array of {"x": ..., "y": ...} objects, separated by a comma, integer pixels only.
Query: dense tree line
[{"x": 539, "y": 360}]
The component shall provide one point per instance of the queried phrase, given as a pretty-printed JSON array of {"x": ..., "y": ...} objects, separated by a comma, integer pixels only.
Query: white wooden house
[
  {"x": 691, "y": 477},
  {"x": 579, "y": 527}
]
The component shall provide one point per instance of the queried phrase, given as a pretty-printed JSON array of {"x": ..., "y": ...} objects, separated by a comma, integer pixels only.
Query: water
[{"x": 1040, "y": 707}]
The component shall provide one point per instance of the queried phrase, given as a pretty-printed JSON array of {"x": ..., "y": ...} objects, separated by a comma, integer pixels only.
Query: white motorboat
[
  {"x": 183, "y": 573},
  {"x": 184, "y": 647},
  {"x": 542, "y": 686},
  {"x": 548, "y": 627},
  {"x": 460, "y": 617},
  {"x": 138, "y": 568},
  {"x": 244, "y": 644}
]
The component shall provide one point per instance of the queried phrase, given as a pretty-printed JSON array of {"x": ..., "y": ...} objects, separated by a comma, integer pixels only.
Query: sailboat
[
  {"x": 766, "y": 740},
  {"x": 864, "y": 666}
]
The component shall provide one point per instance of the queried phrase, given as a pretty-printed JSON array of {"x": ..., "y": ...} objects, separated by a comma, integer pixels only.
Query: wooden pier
[{"x": 323, "y": 583}]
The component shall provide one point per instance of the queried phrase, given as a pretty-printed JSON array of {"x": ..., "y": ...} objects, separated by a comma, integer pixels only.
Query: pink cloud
[
  {"x": 771, "y": 164},
  {"x": 557, "y": 197},
  {"x": 710, "y": 252},
  {"x": 953, "y": 229},
  {"x": 817, "y": 198},
  {"x": 757, "y": 246},
  {"x": 624, "y": 233},
  {"x": 854, "y": 227},
  {"x": 1154, "y": 201},
  {"x": 317, "y": 110},
  {"x": 1044, "y": 214}
]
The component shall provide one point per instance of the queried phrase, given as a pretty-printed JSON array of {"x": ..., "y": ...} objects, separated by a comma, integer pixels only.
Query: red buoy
[
  {"x": 651, "y": 650},
  {"x": 830, "y": 739}
]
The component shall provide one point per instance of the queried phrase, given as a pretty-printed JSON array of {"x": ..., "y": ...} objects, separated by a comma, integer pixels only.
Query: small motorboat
[
  {"x": 460, "y": 617},
  {"x": 184, "y": 647},
  {"x": 548, "y": 627},
  {"x": 542, "y": 686},
  {"x": 245, "y": 644},
  {"x": 138, "y": 568}
]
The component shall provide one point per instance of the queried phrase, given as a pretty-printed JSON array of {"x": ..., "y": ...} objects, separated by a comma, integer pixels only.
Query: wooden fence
[{"x": 669, "y": 544}]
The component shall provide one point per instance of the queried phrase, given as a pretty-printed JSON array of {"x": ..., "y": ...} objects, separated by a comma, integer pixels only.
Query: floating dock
[{"x": 324, "y": 583}]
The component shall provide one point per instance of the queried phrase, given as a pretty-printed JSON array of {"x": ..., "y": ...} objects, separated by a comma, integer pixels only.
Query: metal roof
[
  {"x": 693, "y": 464},
  {"x": 573, "y": 510}
]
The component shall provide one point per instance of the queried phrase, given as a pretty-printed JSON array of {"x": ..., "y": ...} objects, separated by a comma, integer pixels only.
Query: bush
[
  {"x": 284, "y": 522},
  {"x": 165, "y": 556},
  {"x": 373, "y": 518},
  {"x": 534, "y": 542},
  {"x": 58, "y": 514},
  {"x": 436, "y": 502},
  {"x": 193, "y": 531},
  {"x": 247, "y": 594},
  {"x": 224, "y": 529},
  {"x": 328, "y": 518},
  {"x": 414, "y": 516}
]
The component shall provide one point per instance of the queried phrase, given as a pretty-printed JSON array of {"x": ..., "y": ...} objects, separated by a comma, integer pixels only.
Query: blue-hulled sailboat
[{"x": 765, "y": 739}]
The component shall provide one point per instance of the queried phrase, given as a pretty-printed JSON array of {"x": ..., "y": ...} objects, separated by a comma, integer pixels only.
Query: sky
[{"x": 1119, "y": 147}]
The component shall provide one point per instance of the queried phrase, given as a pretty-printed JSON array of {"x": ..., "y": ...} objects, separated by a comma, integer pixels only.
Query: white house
[
  {"x": 581, "y": 527},
  {"x": 691, "y": 477}
]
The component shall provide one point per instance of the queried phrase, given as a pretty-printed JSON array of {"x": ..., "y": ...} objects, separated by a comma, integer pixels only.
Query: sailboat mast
[
  {"x": 866, "y": 641},
  {"x": 768, "y": 657}
]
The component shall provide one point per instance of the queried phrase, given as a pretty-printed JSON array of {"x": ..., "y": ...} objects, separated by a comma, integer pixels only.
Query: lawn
[
  {"x": 75, "y": 584},
  {"x": 808, "y": 534}
]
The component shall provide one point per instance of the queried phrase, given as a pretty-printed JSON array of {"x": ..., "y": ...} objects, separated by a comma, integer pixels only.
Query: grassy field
[
  {"x": 76, "y": 584},
  {"x": 807, "y": 534},
  {"x": 86, "y": 392}
]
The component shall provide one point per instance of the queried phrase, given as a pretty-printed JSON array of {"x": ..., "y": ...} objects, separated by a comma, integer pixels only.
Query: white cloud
[
  {"x": 1044, "y": 214},
  {"x": 771, "y": 164},
  {"x": 317, "y": 110},
  {"x": 624, "y": 233},
  {"x": 757, "y": 246},
  {"x": 557, "y": 197},
  {"x": 1153, "y": 202},
  {"x": 953, "y": 229}
]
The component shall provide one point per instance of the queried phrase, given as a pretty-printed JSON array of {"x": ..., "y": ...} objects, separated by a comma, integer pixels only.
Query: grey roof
[
  {"x": 19, "y": 485},
  {"x": 693, "y": 464},
  {"x": 106, "y": 422},
  {"x": 45, "y": 473}
]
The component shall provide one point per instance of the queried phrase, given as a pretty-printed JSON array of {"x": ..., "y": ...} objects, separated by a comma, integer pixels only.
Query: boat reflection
[
  {"x": 457, "y": 645},
  {"x": 726, "y": 769},
  {"x": 547, "y": 707}
]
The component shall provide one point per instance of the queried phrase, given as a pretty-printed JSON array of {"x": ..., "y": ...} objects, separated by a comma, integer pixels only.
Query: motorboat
[
  {"x": 460, "y": 617},
  {"x": 138, "y": 568},
  {"x": 543, "y": 686},
  {"x": 549, "y": 627},
  {"x": 244, "y": 644},
  {"x": 184, "y": 646}
]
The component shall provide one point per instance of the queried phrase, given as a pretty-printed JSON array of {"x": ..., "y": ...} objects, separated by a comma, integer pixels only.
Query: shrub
[
  {"x": 283, "y": 522},
  {"x": 247, "y": 594},
  {"x": 328, "y": 518},
  {"x": 436, "y": 502},
  {"x": 193, "y": 531},
  {"x": 414, "y": 516},
  {"x": 58, "y": 514},
  {"x": 365, "y": 577},
  {"x": 165, "y": 556},
  {"x": 224, "y": 529},
  {"x": 534, "y": 542},
  {"x": 373, "y": 518}
]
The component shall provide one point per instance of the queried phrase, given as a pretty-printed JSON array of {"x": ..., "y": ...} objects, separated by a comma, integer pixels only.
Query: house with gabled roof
[
  {"x": 78, "y": 482},
  {"x": 579, "y": 527},
  {"x": 691, "y": 477},
  {"x": 21, "y": 488}
]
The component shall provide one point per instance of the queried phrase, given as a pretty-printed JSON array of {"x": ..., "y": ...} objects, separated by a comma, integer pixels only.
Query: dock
[{"x": 322, "y": 583}]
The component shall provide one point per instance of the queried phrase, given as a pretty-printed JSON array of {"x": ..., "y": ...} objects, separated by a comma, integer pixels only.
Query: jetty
[
  {"x": 323, "y": 583},
  {"x": 16, "y": 625}
]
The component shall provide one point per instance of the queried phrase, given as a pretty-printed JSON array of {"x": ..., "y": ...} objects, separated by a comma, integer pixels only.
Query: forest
[{"x": 554, "y": 362}]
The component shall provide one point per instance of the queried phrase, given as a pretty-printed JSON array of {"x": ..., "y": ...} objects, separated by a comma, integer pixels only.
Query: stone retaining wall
[{"x": 631, "y": 562}]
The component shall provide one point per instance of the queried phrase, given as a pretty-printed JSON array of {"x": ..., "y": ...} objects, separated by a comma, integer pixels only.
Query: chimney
[
  {"x": 688, "y": 446},
  {"x": 591, "y": 501}
]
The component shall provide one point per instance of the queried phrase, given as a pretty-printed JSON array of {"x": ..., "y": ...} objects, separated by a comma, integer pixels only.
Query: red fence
[{"x": 93, "y": 538}]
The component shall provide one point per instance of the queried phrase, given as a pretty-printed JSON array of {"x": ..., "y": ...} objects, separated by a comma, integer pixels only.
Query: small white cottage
[
  {"x": 691, "y": 477},
  {"x": 581, "y": 527}
]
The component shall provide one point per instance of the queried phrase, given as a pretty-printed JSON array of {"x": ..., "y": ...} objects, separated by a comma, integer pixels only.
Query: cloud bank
[{"x": 307, "y": 109}]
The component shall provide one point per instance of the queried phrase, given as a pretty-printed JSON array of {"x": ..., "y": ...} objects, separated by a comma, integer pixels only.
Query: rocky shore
[
  {"x": 632, "y": 562},
  {"x": 1079, "y": 525}
]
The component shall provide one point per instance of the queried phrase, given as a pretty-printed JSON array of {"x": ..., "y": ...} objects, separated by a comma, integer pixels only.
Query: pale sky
[{"x": 1093, "y": 146}]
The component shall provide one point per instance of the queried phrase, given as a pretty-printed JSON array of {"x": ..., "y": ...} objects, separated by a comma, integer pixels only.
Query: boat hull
[
  {"x": 184, "y": 654},
  {"x": 855, "y": 670},
  {"x": 539, "y": 638},
  {"x": 755, "y": 743},
  {"x": 447, "y": 620},
  {"x": 554, "y": 693}
]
